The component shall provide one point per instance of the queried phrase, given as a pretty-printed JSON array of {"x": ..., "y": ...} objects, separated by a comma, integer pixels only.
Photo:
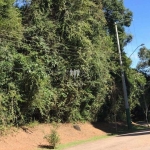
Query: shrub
[{"x": 53, "y": 138}]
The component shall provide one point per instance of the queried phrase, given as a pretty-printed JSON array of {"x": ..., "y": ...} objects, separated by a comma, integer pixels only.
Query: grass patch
[
  {"x": 139, "y": 127},
  {"x": 63, "y": 146},
  {"x": 81, "y": 142},
  {"x": 135, "y": 128},
  {"x": 6, "y": 130},
  {"x": 32, "y": 124}
]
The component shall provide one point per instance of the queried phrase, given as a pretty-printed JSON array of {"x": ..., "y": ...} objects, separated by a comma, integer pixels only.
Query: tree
[
  {"x": 10, "y": 21},
  {"x": 11, "y": 33},
  {"x": 144, "y": 67},
  {"x": 144, "y": 63},
  {"x": 115, "y": 11}
]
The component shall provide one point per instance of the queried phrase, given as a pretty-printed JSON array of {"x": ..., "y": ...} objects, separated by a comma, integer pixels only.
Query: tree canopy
[{"x": 144, "y": 63}]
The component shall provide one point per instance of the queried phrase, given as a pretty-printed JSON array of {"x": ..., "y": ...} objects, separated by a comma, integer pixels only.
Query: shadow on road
[
  {"x": 144, "y": 132},
  {"x": 110, "y": 128},
  {"x": 121, "y": 128}
]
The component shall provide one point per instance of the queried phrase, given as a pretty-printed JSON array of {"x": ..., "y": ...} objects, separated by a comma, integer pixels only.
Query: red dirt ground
[{"x": 32, "y": 138}]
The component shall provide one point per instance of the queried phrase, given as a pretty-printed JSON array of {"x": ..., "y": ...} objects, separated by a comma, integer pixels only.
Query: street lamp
[
  {"x": 123, "y": 82},
  {"x": 136, "y": 49}
]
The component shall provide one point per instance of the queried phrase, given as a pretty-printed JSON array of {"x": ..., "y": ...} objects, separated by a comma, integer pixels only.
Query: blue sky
[{"x": 140, "y": 27}]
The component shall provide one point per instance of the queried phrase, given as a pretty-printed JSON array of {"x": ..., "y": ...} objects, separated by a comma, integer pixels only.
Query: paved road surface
[{"x": 131, "y": 141}]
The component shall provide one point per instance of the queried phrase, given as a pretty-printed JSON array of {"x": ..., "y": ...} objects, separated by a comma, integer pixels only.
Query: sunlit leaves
[
  {"x": 10, "y": 21},
  {"x": 144, "y": 63}
]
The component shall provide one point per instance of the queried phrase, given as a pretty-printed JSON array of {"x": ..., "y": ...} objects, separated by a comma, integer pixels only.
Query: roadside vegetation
[{"x": 59, "y": 63}]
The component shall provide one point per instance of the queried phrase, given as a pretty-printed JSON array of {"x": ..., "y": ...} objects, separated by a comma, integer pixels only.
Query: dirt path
[
  {"x": 33, "y": 138},
  {"x": 132, "y": 141}
]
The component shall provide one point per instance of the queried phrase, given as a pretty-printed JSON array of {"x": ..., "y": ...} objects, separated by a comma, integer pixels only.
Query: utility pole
[{"x": 123, "y": 82}]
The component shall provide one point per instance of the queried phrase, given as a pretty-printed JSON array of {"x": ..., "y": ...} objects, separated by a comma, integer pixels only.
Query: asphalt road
[{"x": 131, "y": 141}]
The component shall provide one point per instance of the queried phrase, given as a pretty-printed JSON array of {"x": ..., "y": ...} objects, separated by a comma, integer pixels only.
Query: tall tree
[
  {"x": 144, "y": 67},
  {"x": 10, "y": 21},
  {"x": 144, "y": 63},
  {"x": 115, "y": 11},
  {"x": 11, "y": 33}
]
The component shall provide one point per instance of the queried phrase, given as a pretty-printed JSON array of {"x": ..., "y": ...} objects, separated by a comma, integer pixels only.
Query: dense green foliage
[
  {"x": 10, "y": 21},
  {"x": 43, "y": 42},
  {"x": 11, "y": 32},
  {"x": 58, "y": 37},
  {"x": 144, "y": 67},
  {"x": 144, "y": 63},
  {"x": 115, "y": 11}
]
